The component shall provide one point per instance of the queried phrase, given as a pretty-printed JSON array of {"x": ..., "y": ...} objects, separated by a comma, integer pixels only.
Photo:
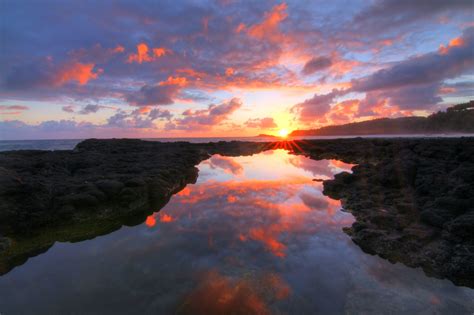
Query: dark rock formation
[
  {"x": 413, "y": 199},
  {"x": 413, "y": 203},
  {"x": 49, "y": 196}
]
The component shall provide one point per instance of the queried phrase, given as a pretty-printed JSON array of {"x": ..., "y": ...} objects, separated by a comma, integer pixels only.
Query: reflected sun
[{"x": 283, "y": 133}]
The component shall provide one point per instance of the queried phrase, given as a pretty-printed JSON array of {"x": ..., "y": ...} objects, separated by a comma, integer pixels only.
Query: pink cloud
[
  {"x": 13, "y": 109},
  {"x": 226, "y": 163},
  {"x": 205, "y": 118},
  {"x": 316, "y": 107},
  {"x": 262, "y": 123}
]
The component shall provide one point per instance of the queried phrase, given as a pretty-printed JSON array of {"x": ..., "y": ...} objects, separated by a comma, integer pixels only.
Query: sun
[{"x": 283, "y": 133}]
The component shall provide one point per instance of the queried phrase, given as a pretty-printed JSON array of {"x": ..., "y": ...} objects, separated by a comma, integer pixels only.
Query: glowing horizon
[{"x": 225, "y": 68}]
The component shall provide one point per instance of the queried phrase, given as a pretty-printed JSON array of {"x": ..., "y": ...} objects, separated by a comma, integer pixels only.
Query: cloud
[
  {"x": 68, "y": 108},
  {"x": 262, "y": 123},
  {"x": 144, "y": 54},
  {"x": 427, "y": 68},
  {"x": 226, "y": 163},
  {"x": 205, "y": 118},
  {"x": 75, "y": 71},
  {"x": 12, "y": 109},
  {"x": 50, "y": 129},
  {"x": 269, "y": 27},
  {"x": 386, "y": 15},
  {"x": 157, "y": 113},
  {"x": 96, "y": 53},
  {"x": 123, "y": 123},
  {"x": 458, "y": 89},
  {"x": 412, "y": 97},
  {"x": 315, "y": 107},
  {"x": 343, "y": 112},
  {"x": 314, "y": 202},
  {"x": 192, "y": 52},
  {"x": 88, "y": 109},
  {"x": 455, "y": 42},
  {"x": 45, "y": 73},
  {"x": 141, "y": 119},
  {"x": 316, "y": 64},
  {"x": 415, "y": 83},
  {"x": 153, "y": 95},
  {"x": 223, "y": 58}
]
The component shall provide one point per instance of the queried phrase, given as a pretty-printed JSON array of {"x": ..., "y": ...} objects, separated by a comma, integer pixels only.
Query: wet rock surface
[
  {"x": 413, "y": 199},
  {"x": 101, "y": 185}
]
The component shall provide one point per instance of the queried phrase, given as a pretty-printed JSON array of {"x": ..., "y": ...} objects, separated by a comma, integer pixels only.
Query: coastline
[{"x": 399, "y": 193}]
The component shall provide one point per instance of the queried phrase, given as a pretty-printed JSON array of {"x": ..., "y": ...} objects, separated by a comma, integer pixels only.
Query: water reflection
[{"x": 254, "y": 235}]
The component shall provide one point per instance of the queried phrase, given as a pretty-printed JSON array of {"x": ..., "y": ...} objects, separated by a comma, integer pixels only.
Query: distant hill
[
  {"x": 456, "y": 119},
  {"x": 263, "y": 135}
]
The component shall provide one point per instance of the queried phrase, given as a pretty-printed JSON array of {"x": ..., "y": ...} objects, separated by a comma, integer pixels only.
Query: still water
[{"x": 254, "y": 235}]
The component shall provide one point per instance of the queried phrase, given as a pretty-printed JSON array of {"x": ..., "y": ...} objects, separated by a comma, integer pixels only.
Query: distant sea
[{"x": 69, "y": 144}]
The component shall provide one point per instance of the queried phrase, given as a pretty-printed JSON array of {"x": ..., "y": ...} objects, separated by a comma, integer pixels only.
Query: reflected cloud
[
  {"x": 162, "y": 217},
  {"x": 166, "y": 218},
  {"x": 218, "y": 294},
  {"x": 271, "y": 213},
  {"x": 339, "y": 166},
  {"x": 150, "y": 220},
  {"x": 314, "y": 202},
  {"x": 226, "y": 163},
  {"x": 317, "y": 168},
  {"x": 264, "y": 242}
]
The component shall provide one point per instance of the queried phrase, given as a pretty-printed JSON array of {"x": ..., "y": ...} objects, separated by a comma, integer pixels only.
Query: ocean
[{"x": 69, "y": 144}]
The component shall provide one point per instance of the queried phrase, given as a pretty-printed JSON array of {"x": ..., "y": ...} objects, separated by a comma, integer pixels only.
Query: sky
[{"x": 103, "y": 69}]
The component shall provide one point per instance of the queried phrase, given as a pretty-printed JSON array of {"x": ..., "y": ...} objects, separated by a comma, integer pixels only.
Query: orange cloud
[
  {"x": 455, "y": 42},
  {"x": 344, "y": 112},
  {"x": 76, "y": 71},
  {"x": 231, "y": 199},
  {"x": 269, "y": 27},
  {"x": 144, "y": 109},
  {"x": 192, "y": 73},
  {"x": 118, "y": 49},
  {"x": 158, "y": 52},
  {"x": 240, "y": 28},
  {"x": 383, "y": 109},
  {"x": 143, "y": 54},
  {"x": 180, "y": 81},
  {"x": 229, "y": 71}
]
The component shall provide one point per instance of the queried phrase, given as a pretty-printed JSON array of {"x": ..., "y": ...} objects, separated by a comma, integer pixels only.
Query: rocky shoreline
[{"x": 413, "y": 199}]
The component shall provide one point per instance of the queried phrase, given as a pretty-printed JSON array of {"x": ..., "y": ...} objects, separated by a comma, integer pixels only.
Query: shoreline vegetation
[
  {"x": 412, "y": 198},
  {"x": 456, "y": 119}
]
